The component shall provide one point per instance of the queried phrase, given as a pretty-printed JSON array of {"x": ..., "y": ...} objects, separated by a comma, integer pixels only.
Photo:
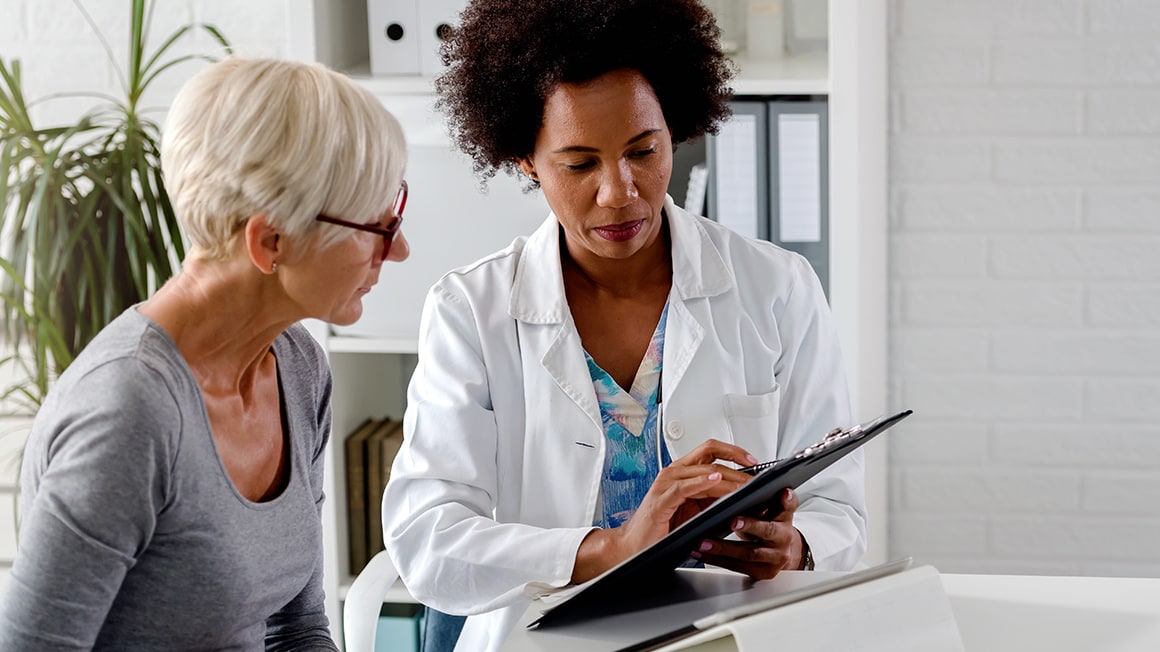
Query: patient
[
  {"x": 172, "y": 481},
  {"x": 585, "y": 390}
]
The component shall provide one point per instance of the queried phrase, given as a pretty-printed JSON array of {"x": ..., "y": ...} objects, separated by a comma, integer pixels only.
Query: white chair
[{"x": 364, "y": 601}]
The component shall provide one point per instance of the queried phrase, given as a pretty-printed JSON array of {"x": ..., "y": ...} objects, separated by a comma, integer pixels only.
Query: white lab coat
[{"x": 498, "y": 478}]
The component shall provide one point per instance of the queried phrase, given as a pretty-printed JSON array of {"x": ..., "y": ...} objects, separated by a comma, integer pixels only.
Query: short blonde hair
[{"x": 290, "y": 140}]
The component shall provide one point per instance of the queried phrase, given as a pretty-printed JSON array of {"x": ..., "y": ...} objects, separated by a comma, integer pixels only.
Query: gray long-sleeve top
[{"x": 133, "y": 536}]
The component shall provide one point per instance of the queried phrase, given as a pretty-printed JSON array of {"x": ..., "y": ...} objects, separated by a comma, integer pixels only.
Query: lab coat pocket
[{"x": 753, "y": 420}]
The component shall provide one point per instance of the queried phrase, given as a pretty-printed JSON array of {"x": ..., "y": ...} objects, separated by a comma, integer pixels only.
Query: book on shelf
[
  {"x": 356, "y": 492},
  {"x": 382, "y": 447}
]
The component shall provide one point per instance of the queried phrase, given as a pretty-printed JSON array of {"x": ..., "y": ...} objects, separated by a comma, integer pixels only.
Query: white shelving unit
[
  {"x": 388, "y": 345},
  {"x": 370, "y": 373}
]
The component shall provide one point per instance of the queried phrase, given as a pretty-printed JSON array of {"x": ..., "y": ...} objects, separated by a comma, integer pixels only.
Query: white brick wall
[
  {"x": 1025, "y": 162},
  {"x": 59, "y": 53}
]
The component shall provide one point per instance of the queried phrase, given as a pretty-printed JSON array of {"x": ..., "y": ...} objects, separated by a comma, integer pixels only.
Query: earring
[{"x": 274, "y": 268}]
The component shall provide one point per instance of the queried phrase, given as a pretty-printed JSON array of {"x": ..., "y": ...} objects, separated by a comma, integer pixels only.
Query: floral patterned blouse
[{"x": 633, "y": 454}]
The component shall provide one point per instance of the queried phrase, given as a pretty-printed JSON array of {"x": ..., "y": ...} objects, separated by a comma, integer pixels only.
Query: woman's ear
[
  {"x": 263, "y": 244},
  {"x": 528, "y": 169}
]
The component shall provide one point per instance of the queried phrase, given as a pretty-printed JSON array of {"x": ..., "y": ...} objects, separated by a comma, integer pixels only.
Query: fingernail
[
  {"x": 738, "y": 524},
  {"x": 751, "y": 459},
  {"x": 706, "y": 546},
  {"x": 715, "y": 476},
  {"x": 695, "y": 554}
]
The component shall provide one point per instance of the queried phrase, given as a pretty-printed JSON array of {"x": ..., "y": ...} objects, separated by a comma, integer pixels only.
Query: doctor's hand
[
  {"x": 680, "y": 490},
  {"x": 766, "y": 547}
]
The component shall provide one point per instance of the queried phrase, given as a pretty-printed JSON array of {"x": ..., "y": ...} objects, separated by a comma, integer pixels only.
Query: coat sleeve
[
  {"x": 439, "y": 505},
  {"x": 815, "y": 399}
]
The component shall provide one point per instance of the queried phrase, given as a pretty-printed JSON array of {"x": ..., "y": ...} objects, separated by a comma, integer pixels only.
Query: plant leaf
[
  {"x": 164, "y": 47},
  {"x": 87, "y": 227}
]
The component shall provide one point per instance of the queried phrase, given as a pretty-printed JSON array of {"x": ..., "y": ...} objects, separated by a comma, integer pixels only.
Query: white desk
[
  {"x": 994, "y": 613},
  {"x": 1001, "y": 613}
]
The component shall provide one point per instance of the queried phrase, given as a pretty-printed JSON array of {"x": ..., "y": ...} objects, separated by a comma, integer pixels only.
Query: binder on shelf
[
  {"x": 356, "y": 493},
  {"x": 381, "y": 448},
  {"x": 436, "y": 20},
  {"x": 738, "y": 168},
  {"x": 769, "y": 176},
  {"x": 393, "y": 27},
  {"x": 799, "y": 182}
]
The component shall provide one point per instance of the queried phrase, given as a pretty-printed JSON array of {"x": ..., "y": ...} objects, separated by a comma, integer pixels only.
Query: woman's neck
[{"x": 223, "y": 317}]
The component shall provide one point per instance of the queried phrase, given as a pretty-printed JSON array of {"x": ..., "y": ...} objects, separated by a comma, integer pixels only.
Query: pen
[{"x": 757, "y": 468}]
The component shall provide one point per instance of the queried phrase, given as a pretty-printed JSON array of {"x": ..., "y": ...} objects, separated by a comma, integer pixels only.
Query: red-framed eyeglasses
[{"x": 393, "y": 222}]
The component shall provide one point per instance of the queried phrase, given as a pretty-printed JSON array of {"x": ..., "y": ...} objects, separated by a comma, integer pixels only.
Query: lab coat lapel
[
  {"x": 568, "y": 368},
  {"x": 699, "y": 272},
  {"x": 683, "y": 335},
  {"x": 538, "y": 298}
]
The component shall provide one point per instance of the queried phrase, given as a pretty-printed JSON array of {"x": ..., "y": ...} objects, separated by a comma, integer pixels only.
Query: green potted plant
[{"x": 87, "y": 229}]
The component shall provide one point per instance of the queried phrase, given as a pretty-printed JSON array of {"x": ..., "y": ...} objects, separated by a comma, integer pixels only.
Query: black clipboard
[{"x": 624, "y": 584}]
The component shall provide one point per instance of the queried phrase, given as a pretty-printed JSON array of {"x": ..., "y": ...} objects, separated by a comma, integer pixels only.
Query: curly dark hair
[{"x": 506, "y": 56}]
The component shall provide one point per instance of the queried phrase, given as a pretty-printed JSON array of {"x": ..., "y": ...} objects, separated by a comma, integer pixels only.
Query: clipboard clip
[{"x": 832, "y": 438}]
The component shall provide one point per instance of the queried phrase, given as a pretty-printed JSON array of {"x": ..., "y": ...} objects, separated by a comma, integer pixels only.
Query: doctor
[{"x": 588, "y": 388}]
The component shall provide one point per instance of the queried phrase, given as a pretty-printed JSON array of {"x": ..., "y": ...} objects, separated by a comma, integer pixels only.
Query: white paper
[
  {"x": 799, "y": 180},
  {"x": 695, "y": 193},
  {"x": 736, "y": 185}
]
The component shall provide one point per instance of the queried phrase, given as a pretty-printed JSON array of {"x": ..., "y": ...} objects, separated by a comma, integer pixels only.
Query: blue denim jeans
[{"x": 440, "y": 631}]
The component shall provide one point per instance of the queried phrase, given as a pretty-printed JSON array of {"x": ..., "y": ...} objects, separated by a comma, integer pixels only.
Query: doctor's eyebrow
[{"x": 583, "y": 148}]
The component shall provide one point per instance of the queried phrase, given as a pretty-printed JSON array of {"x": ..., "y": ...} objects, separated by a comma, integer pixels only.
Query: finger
[
  {"x": 714, "y": 449},
  {"x": 758, "y": 527},
  {"x": 700, "y": 487},
  {"x": 734, "y": 475},
  {"x": 789, "y": 504},
  {"x": 673, "y": 473},
  {"x": 753, "y": 559},
  {"x": 768, "y": 533},
  {"x": 755, "y": 571},
  {"x": 671, "y": 494}
]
